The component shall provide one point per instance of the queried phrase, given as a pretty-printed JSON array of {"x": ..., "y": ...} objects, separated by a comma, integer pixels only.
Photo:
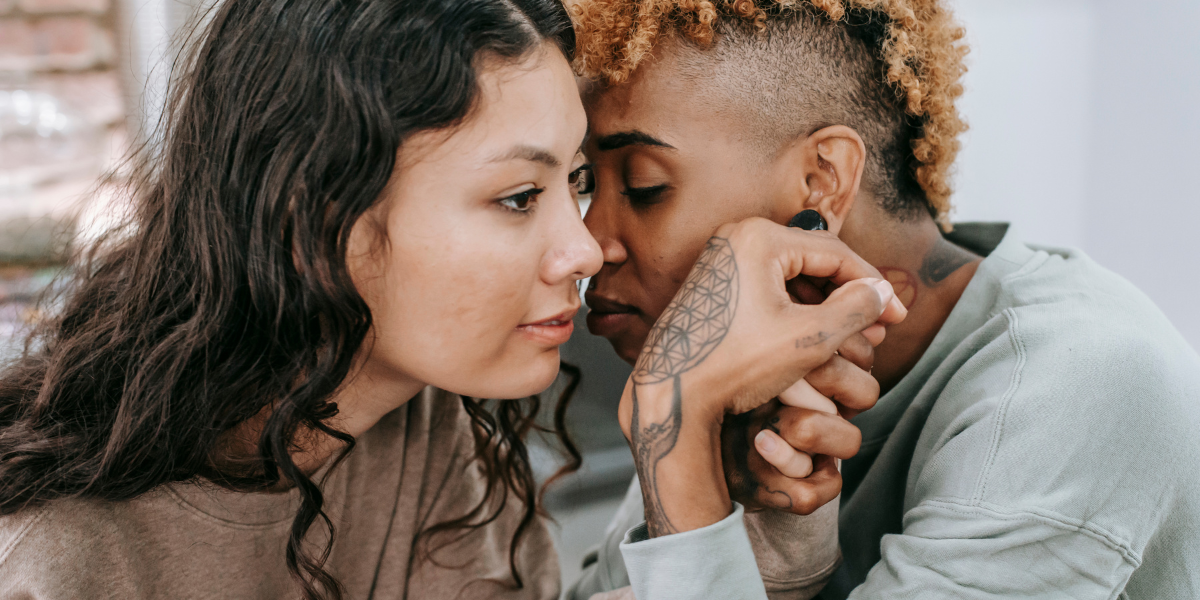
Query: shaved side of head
[
  {"x": 889, "y": 69},
  {"x": 798, "y": 73}
]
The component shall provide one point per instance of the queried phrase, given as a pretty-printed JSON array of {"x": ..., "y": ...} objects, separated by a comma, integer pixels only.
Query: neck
[
  {"x": 929, "y": 275},
  {"x": 364, "y": 398}
]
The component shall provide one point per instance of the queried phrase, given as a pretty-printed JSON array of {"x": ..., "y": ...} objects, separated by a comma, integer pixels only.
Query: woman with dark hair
[{"x": 354, "y": 206}]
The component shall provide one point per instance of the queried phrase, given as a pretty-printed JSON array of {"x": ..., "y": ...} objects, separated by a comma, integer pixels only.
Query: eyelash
[
  {"x": 526, "y": 196},
  {"x": 583, "y": 180},
  {"x": 645, "y": 195}
]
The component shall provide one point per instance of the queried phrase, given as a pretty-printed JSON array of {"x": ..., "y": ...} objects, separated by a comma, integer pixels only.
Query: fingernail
[
  {"x": 886, "y": 293},
  {"x": 765, "y": 443}
]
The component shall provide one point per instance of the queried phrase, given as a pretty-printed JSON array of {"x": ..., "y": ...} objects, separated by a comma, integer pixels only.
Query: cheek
[
  {"x": 450, "y": 307},
  {"x": 662, "y": 259},
  {"x": 448, "y": 315}
]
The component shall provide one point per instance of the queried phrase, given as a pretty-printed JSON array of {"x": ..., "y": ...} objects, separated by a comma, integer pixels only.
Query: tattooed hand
[{"x": 731, "y": 340}]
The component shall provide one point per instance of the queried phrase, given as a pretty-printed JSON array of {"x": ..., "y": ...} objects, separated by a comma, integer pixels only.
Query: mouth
[
  {"x": 554, "y": 331},
  {"x": 608, "y": 317}
]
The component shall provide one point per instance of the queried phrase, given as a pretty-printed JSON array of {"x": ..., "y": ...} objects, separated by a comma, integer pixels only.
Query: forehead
[
  {"x": 532, "y": 100},
  {"x": 660, "y": 97}
]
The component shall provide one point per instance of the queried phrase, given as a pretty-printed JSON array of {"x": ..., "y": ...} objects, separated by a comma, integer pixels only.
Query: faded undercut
[{"x": 889, "y": 69}]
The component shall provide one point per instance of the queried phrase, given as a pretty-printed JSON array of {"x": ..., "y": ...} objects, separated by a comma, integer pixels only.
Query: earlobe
[{"x": 838, "y": 158}]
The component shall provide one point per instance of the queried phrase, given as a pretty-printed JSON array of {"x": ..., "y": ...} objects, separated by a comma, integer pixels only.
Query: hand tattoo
[{"x": 688, "y": 331}]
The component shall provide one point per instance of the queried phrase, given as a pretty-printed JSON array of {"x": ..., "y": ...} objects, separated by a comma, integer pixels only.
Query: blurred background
[{"x": 1084, "y": 132}]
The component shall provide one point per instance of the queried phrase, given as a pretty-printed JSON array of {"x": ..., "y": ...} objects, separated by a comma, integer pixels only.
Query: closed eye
[{"x": 645, "y": 195}]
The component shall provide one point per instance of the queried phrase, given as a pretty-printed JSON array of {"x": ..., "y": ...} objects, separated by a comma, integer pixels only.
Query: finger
[
  {"x": 805, "y": 290},
  {"x": 874, "y": 334},
  {"x": 803, "y": 395},
  {"x": 802, "y": 496},
  {"x": 859, "y": 350},
  {"x": 814, "y": 432},
  {"x": 821, "y": 255},
  {"x": 848, "y": 311},
  {"x": 818, "y": 255},
  {"x": 844, "y": 383},
  {"x": 788, "y": 460}
]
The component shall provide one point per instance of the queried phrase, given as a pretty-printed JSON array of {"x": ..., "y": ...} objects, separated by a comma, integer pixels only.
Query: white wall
[{"x": 1085, "y": 132}]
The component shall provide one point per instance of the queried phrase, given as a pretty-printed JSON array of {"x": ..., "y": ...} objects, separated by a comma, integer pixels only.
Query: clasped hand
[{"x": 731, "y": 341}]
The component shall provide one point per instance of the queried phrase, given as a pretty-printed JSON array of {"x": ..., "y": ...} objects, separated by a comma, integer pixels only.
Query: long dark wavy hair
[{"x": 228, "y": 296}]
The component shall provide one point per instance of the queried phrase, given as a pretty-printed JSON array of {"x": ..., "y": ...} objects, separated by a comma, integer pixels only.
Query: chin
[
  {"x": 627, "y": 346},
  {"x": 532, "y": 376}
]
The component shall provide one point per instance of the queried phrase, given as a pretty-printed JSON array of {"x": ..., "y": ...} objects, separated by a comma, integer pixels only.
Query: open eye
[
  {"x": 582, "y": 180},
  {"x": 521, "y": 202}
]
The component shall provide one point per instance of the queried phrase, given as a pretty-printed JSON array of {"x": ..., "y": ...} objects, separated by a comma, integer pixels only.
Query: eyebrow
[
  {"x": 529, "y": 153},
  {"x": 613, "y": 141}
]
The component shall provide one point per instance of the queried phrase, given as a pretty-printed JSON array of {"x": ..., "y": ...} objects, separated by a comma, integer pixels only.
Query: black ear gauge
[{"x": 809, "y": 220}]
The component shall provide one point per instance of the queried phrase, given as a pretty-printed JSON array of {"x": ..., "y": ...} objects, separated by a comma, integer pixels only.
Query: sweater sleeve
[
  {"x": 710, "y": 562},
  {"x": 796, "y": 555}
]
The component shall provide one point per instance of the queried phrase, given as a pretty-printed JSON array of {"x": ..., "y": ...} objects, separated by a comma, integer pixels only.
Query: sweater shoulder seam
[
  {"x": 1047, "y": 517},
  {"x": 1018, "y": 347}
]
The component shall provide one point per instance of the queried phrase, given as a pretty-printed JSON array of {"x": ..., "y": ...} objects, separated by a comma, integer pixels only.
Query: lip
[
  {"x": 608, "y": 317},
  {"x": 554, "y": 331}
]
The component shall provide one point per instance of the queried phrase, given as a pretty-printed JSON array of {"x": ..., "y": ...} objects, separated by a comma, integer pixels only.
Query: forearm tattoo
[{"x": 688, "y": 331}]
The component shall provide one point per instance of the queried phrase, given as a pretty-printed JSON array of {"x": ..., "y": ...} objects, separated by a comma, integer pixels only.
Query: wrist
[
  {"x": 689, "y": 484},
  {"x": 656, "y": 400}
]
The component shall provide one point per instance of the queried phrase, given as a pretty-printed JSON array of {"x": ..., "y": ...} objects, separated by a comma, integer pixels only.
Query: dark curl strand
[
  {"x": 227, "y": 297},
  {"x": 500, "y": 429}
]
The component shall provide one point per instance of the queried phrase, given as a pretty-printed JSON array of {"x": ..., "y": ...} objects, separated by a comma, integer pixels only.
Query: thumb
[{"x": 849, "y": 310}]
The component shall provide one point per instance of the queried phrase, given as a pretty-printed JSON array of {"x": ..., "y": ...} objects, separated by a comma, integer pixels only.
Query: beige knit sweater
[{"x": 194, "y": 540}]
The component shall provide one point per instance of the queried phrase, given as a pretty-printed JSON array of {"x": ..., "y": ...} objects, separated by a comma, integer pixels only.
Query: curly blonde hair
[{"x": 917, "y": 43}]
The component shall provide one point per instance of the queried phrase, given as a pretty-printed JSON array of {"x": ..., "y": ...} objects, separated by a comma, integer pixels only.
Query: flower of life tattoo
[{"x": 688, "y": 331}]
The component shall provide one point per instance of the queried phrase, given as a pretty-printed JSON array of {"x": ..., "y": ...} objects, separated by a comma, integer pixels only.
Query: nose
[
  {"x": 574, "y": 253},
  {"x": 601, "y": 222}
]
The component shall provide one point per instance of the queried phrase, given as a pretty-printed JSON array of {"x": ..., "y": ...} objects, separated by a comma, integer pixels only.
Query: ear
[{"x": 824, "y": 174}]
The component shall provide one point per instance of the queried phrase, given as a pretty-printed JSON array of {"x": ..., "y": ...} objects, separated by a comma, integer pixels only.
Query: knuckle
[
  {"x": 867, "y": 295},
  {"x": 807, "y": 501},
  {"x": 836, "y": 485},
  {"x": 821, "y": 374},
  {"x": 805, "y": 437},
  {"x": 727, "y": 230},
  {"x": 746, "y": 228}
]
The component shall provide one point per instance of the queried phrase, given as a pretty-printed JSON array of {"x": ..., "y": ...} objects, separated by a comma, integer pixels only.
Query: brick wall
[{"x": 65, "y": 47}]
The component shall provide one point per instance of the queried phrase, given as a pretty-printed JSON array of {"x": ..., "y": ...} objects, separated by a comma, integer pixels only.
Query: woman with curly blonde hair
[{"x": 1037, "y": 411}]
